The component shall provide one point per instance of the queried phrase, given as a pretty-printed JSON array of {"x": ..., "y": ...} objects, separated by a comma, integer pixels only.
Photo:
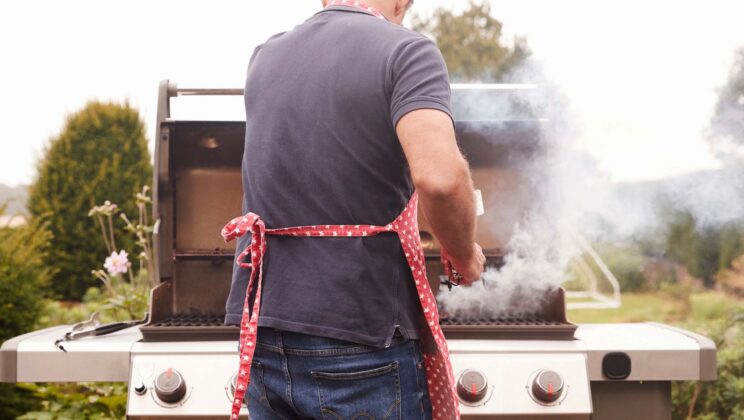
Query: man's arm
[{"x": 442, "y": 179}]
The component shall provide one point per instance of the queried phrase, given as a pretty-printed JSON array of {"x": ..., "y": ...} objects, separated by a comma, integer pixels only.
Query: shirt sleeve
[{"x": 419, "y": 79}]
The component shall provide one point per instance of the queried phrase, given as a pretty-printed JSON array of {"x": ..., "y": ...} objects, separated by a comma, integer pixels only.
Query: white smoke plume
[
  {"x": 566, "y": 188},
  {"x": 572, "y": 198}
]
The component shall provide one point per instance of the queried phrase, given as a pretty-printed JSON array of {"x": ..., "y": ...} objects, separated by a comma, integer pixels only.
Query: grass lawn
[{"x": 660, "y": 306}]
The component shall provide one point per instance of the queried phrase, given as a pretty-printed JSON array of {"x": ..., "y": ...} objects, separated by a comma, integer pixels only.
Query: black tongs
[
  {"x": 93, "y": 328},
  {"x": 452, "y": 277}
]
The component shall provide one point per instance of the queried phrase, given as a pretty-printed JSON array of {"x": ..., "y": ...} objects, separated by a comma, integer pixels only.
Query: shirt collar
[{"x": 357, "y": 5}]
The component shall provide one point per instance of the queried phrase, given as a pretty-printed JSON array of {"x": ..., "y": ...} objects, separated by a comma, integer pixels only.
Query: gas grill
[{"x": 525, "y": 366}]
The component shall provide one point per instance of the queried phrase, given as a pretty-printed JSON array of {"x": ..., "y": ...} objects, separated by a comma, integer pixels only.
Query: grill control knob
[
  {"x": 547, "y": 386},
  {"x": 140, "y": 388},
  {"x": 170, "y": 386},
  {"x": 472, "y": 386}
]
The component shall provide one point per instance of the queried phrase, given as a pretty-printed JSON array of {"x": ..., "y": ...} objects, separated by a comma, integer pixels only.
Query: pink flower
[{"x": 116, "y": 263}]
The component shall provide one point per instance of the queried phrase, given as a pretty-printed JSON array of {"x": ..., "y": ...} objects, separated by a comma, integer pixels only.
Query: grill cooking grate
[
  {"x": 188, "y": 327},
  {"x": 191, "y": 321},
  {"x": 501, "y": 321},
  {"x": 511, "y": 328},
  {"x": 548, "y": 324}
]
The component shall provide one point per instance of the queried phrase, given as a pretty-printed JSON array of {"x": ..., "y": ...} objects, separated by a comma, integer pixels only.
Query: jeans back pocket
[{"x": 372, "y": 394}]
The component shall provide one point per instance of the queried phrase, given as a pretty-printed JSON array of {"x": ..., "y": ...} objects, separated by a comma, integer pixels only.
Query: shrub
[
  {"x": 724, "y": 398},
  {"x": 78, "y": 401},
  {"x": 23, "y": 276},
  {"x": 22, "y": 279},
  {"x": 627, "y": 264},
  {"x": 100, "y": 155}
]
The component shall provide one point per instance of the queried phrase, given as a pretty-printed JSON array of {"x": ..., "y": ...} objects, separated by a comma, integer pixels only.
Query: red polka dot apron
[{"x": 439, "y": 374}]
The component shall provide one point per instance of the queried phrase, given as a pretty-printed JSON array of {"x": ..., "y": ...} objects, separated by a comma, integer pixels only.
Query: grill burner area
[{"x": 188, "y": 327}]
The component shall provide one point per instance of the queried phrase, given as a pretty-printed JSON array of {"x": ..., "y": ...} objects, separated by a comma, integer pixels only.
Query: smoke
[
  {"x": 571, "y": 198},
  {"x": 726, "y": 131},
  {"x": 564, "y": 187}
]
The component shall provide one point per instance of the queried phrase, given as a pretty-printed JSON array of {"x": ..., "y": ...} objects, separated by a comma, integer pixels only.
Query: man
[{"x": 346, "y": 115}]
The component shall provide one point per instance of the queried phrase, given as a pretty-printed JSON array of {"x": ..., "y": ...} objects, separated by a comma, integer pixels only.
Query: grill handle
[{"x": 170, "y": 89}]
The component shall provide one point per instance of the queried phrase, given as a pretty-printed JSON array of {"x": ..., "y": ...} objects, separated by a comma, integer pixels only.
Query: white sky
[{"x": 641, "y": 75}]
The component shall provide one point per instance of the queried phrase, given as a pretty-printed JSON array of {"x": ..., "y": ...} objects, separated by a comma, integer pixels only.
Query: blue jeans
[{"x": 298, "y": 376}]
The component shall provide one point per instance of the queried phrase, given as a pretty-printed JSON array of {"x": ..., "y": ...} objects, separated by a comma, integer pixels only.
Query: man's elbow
[{"x": 445, "y": 185}]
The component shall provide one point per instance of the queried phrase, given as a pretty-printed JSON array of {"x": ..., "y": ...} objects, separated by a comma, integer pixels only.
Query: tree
[
  {"x": 727, "y": 124},
  {"x": 472, "y": 44},
  {"x": 100, "y": 155}
]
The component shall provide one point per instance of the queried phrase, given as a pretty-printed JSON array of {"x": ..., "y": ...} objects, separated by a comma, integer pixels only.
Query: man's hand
[{"x": 470, "y": 268}]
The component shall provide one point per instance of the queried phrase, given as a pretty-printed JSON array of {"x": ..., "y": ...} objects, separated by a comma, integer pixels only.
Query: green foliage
[
  {"x": 14, "y": 401},
  {"x": 56, "y": 312},
  {"x": 731, "y": 245},
  {"x": 23, "y": 276},
  {"x": 724, "y": 398},
  {"x": 627, "y": 264},
  {"x": 704, "y": 250},
  {"x": 78, "y": 401},
  {"x": 100, "y": 154},
  {"x": 471, "y": 43}
]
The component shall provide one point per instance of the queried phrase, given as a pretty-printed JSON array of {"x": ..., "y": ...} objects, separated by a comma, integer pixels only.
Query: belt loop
[{"x": 279, "y": 339}]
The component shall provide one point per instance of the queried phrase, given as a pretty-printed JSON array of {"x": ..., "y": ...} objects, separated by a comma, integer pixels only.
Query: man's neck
[{"x": 386, "y": 8}]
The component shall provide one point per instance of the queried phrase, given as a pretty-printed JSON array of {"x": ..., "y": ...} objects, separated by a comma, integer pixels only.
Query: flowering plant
[{"x": 128, "y": 295}]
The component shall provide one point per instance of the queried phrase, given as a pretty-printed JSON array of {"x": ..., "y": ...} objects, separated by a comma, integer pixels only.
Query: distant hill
[
  {"x": 15, "y": 198},
  {"x": 713, "y": 197}
]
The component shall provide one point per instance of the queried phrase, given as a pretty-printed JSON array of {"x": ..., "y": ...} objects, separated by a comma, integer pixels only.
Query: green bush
[
  {"x": 23, "y": 277},
  {"x": 627, "y": 264},
  {"x": 724, "y": 398},
  {"x": 100, "y": 155},
  {"x": 102, "y": 401},
  {"x": 15, "y": 401}
]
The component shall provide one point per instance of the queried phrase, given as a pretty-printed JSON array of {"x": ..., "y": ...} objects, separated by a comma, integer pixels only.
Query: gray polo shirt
[{"x": 322, "y": 102}]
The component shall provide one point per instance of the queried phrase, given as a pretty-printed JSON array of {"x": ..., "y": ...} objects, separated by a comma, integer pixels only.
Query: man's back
[{"x": 322, "y": 102}]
